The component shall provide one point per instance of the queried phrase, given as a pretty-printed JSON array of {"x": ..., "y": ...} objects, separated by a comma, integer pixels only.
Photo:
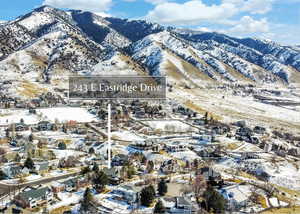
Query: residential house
[
  {"x": 33, "y": 197},
  {"x": 119, "y": 160},
  {"x": 140, "y": 113},
  {"x": 176, "y": 147},
  {"x": 268, "y": 147},
  {"x": 204, "y": 139},
  {"x": 249, "y": 155},
  {"x": 35, "y": 102},
  {"x": 45, "y": 126},
  {"x": 74, "y": 183},
  {"x": 128, "y": 193},
  {"x": 57, "y": 186},
  {"x": 205, "y": 152},
  {"x": 241, "y": 123},
  {"x": 114, "y": 174},
  {"x": 244, "y": 131},
  {"x": 236, "y": 195},
  {"x": 179, "y": 205},
  {"x": 20, "y": 104},
  {"x": 41, "y": 167},
  {"x": 199, "y": 122},
  {"x": 220, "y": 130},
  {"x": 294, "y": 152},
  {"x": 259, "y": 130},
  {"x": 170, "y": 166},
  {"x": 210, "y": 174},
  {"x": 145, "y": 145},
  {"x": 19, "y": 127},
  {"x": 15, "y": 170},
  {"x": 81, "y": 131}
]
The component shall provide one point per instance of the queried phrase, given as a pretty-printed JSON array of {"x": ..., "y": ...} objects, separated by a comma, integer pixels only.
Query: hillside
[{"x": 38, "y": 51}]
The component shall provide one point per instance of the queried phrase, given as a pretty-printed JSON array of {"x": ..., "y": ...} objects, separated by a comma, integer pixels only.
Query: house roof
[
  {"x": 70, "y": 182},
  {"x": 111, "y": 172},
  {"x": 168, "y": 202},
  {"x": 15, "y": 169},
  {"x": 129, "y": 189},
  {"x": 239, "y": 193},
  {"x": 183, "y": 201},
  {"x": 42, "y": 166},
  {"x": 209, "y": 172},
  {"x": 34, "y": 193}
]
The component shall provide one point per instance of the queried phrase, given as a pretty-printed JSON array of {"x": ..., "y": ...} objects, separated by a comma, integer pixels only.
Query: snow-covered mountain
[{"x": 48, "y": 44}]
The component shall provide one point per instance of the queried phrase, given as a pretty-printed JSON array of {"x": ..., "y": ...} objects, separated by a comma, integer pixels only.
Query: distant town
[{"x": 166, "y": 158}]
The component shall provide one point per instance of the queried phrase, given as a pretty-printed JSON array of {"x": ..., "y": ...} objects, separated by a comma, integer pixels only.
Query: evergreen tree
[
  {"x": 29, "y": 163},
  {"x": 206, "y": 118},
  {"x": 214, "y": 200},
  {"x": 162, "y": 187},
  {"x": 159, "y": 208},
  {"x": 17, "y": 158},
  {"x": 87, "y": 199},
  {"x": 7, "y": 133},
  {"x": 130, "y": 172},
  {"x": 147, "y": 195},
  {"x": 30, "y": 138},
  {"x": 64, "y": 128},
  {"x": 62, "y": 146},
  {"x": 91, "y": 150},
  {"x": 2, "y": 175},
  {"x": 95, "y": 168},
  {"x": 85, "y": 170},
  {"x": 100, "y": 180}
]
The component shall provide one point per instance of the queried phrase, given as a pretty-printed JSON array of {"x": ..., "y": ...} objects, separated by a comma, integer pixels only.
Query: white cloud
[
  {"x": 248, "y": 25},
  {"x": 252, "y": 6},
  {"x": 86, "y": 5},
  {"x": 156, "y": 2},
  {"x": 191, "y": 12},
  {"x": 258, "y": 6}
]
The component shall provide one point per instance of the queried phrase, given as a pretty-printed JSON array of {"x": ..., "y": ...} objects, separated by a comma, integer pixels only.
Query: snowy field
[
  {"x": 66, "y": 153},
  {"x": 67, "y": 114},
  {"x": 230, "y": 108},
  {"x": 66, "y": 200},
  {"x": 186, "y": 156},
  {"x": 62, "y": 114},
  {"x": 126, "y": 136},
  {"x": 282, "y": 173},
  {"x": 169, "y": 125}
]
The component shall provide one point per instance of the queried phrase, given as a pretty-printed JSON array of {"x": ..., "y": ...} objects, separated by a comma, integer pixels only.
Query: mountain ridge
[{"x": 57, "y": 42}]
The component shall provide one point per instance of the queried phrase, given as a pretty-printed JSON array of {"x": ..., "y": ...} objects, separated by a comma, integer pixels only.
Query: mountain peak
[
  {"x": 58, "y": 39},
  {"x": 44, "y": 8}
]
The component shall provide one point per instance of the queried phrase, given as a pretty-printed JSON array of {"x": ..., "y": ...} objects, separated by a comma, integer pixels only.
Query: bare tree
[{"x": 199, "y": 185}]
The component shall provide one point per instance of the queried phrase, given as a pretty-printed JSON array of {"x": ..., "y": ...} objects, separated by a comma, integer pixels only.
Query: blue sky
[{"x": 278, "y": 20}]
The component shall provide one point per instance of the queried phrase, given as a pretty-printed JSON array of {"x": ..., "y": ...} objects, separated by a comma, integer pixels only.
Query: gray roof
[
  {"x": 15, "y": 170},
  {"x": 34, "y": 193},
  {"x": 43, "y": 166},
  {"x": 183, "y": 201},
  {"x": 113, "y": 172},
  {"x": 70, "y": 182}
]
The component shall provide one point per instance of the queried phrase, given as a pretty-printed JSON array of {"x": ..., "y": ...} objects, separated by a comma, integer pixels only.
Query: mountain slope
[{"x": 48, "y": 43}]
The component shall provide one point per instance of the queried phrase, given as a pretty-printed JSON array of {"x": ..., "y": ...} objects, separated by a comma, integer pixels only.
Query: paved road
[{"x": 7, "y": 188}]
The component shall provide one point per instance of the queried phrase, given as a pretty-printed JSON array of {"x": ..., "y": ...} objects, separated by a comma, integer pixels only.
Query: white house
[{"x": 236, "y": 195}]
